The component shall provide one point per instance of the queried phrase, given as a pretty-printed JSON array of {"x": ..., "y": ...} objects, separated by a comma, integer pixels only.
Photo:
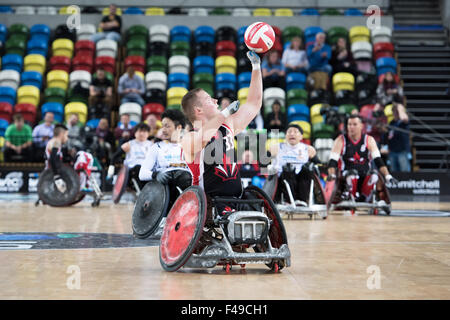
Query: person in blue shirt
[
  {"x": 273, "y": 71},
  {"x": 398, "y": 141},
  {"x": 319, "y": 54},
  {"x": 131, "y": 87}
]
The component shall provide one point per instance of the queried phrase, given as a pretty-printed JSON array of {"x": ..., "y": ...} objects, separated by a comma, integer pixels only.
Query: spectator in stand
[
  {"x": 398, "y": 140},
  {"x": 319, "y": 54},
  {"x": 342, "y": 58},
  {"x": 248, "y": 166},
  {"x": 389, "y": 91},
  {"x": 110, "y": 26},
  {"x": 131, "y": 87},
  {"x": 273, "y": 71},
  {"x": 124, "y": 131},
  {"x": 276, "y": 120},
  {"x": 294, "y": 58},
  {"x": 41, "y": 134},
  {"x": 18, "y": 140},
  {"x": 100, "y": 91},
  {"x": 154, "y": 124},
  {"x": 76, "y": 132},
  {"x": 105, "y": 141}
]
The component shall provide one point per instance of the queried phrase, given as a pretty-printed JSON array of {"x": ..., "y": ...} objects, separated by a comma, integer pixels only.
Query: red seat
[
  {"x": 372, "y": 12},
  {"x": 85, "y": 47},
  {"x": 307, "y": 141},
  {"x": 60, "y": 63},
  {"x": 137, "y": 62},
  {"x": 383, "y": 49},
  {"x": 82, "y": 62},
  {"x": 381, "y": 78},
  {"x": 28, "y": 111},
  {"x": 278, "y": 32},
  {"x": 6, "y": 111},
  {"x": 225, "y": 48},
  {"x": 106, "y": 63},
  {"x": 155, "y": 108}
]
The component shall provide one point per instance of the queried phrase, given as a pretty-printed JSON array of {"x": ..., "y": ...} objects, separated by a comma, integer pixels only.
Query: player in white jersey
[
  {"x": 164, "y": 161},
  {"x": 294, "y": 162},
  {"x": 135, "y": 151}
]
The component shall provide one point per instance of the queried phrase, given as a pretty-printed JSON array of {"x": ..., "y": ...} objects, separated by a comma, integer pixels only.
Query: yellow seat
[
  {"x": 78, "y": 108},
  {"x": 284, "y": 12},
  {"x": 67, "y": 10},
  {"x": 389, "y": 113},
  {"x": 343, "y": 81},
  {"x": 226, "y": 64},
  {"x": 273, "y": 143},
  {"x": 175, "y": 95},
  {"x": 359, "y": 33},
  {"x": 105, "y": 11},
  {"x": 242, "y": 95},
  {"x": 140, "y": 74},
  {"x": 306, "y": 127},
  {"x": 315, "y": 115},
  {"x": 2, "y": 144},
  {"x": 28, "y": 94},
  {"x": 57, "y": 79},
  {"x": 62, "y": 47},
  {"x": 155, "y": 11},
  {"x": 262, "y": 12},
  {"x": 35, "y": 62}
]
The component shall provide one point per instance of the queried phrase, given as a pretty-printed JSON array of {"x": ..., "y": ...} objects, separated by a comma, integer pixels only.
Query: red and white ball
[{"x": 259, "y": 37}]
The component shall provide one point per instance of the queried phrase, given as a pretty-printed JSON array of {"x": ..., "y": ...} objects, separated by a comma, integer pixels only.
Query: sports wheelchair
[{"x": 122, "y": 182}]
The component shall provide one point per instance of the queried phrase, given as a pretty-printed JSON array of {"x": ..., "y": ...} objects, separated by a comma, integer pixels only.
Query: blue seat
[
  {"x": 31, "y": 78},
  {"x": 40, "y": 30},
  {"x": 310, "y": 33},
  {"x": 178, "y": 80},
  {"x": 3, "y": 33},
  {"x": 386, "y": 64},
  {"x": 6, "y": 9},
  {"x": 37, "y": 45},
  {"x": 132, "y": 123},
  {"x": 244, "y": 79},
  {"x": 295, "y": 80},
  {"x": 309, "y": 12},
  {"x": 353, "y": 12},
  {"x": 226, "y": 81},
  {"x": 180, "y": 33},
  {"x": 93, "y": 123},
  {"x": 204, "y": 34},
  {"x": 3, "y": 126},
  {"x": 8, "y": 94},
  {"x": 56, "y": 108},
  {"x": 133, "y": 10},
  {"x": 241, "y": 33},
  {"x": 12, "y": 62},
  {"x": 298, "y": 112},
  {"x": 204, "y": 64}
]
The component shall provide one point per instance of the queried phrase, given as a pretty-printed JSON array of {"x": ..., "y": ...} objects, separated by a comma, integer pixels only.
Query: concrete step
[
  {"x": 442, "y": 87},
  {"x": 424, "y": 61},
  {"x": 424, "y": 55},
  {"x": 419, "y": 35},
  {"x": 425, "y": 70},
  {"x": 421, "y": 42},
  {"x": 424, "y": 78}
]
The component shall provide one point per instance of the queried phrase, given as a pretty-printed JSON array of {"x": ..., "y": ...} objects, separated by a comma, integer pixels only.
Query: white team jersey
[
  {"x": 162, "y": 156},
  {"x": 84, "y": 160},
  {"x": 138, "y": 150},
  {"x": 296, "y": 155}
]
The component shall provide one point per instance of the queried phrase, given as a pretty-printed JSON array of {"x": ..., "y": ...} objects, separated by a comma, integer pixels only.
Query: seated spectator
[
  {"x": 375, "y": 124},
  {"x": 319, "y": 54},
  {"x": 104, "y": 143},
  {"x": 100, "y": 91},
  {"x": 18, "y": 140},
  {"x": 41, "y": 134},
  {"x": 131, "y": 87},
  {"x": 124, "y": 131},
  {"x": 342, "y": 58},
  {"x": 273, "y": 71},
  {"x": 76, "y": 132},
  {"x": 154, "y": 124},
  {"x": 398, "y": 141},
  {"x": 389, "y": 91},
  {"x": 276, "y": 120},
  {"x": 294, "y": 58},
  {"x": 110, "y": 26},
  {"x": 248, "y": 166}
]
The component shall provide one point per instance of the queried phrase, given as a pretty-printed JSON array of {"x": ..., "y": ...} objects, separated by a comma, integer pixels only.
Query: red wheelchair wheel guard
[
  {"x": 271, "y": 185},
  {"x": 183, "y": 228},
  {"x": 121, "y": 184}
]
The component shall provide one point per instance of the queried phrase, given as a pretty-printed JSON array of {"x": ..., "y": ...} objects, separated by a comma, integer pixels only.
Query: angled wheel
[
  {"x": 48, "y": 192},
  {"x": 270, "y": 185},
  {"x": 183, "y": 229},
  {"x": 151, "y": 206},
  {"x": 121, "y": 184}
]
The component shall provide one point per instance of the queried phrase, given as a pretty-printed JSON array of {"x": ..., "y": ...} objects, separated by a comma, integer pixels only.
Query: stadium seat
[
  {"x": 137, "y": 32},
  {"x": 366, "y": 111},
  {"x": 291, "y": 32},
  {"x": 3, "y": 33},
  {"x": 226, "y": 33},
  {"x": 106, "y": 63},
  {"x": 298, "y": 112},
  {"x": 77, "y": 108},
  {"x": 225, "y": 48},
  {"x": 204, "y": 34},
  {"x": 197, "y": 12},
  {"x": 18, "y": 30},
  {"x": 178, "y": 80},
  {"x": 6, "y": 111},
  {"x": 40, "y": 30},
  {"x": 296, "y": 96},
  {"x": 28, "y": 111},
  {"x": 6, "y": 9},
  {"x": 28, "y": 94},
  {"x": 204, "y": 81},
  {"x": 352, "y": 12},
  {"x": 323, "y": 148},
  {"x": 134, "y": 110},
  {"x": 83, "y": 62},
  {"x": 270, "y": 95},
  {"x": 9, "y": 78},
  {"x": 180, "y": 48},
  {"x": 180, "y": 33},
  {"x": 85, "y": 48},
  {"x": 316, "y": 117},
  {"x": 244, "y": 79},
  {"x": 226, "y": 64},
  {"x": 8, "y": 94},
  {"x": 54, "y": 107},
  {"x": 31, "y": 78},
  {"x": 93, "y": 123},
  {"x": 386, "y": 64},
  {"x": 154, "y": 11},
  {"x": 306, "y": 127},
  {"x": 80, "y": 76},
  {"x": 133, "y": 10},
  {"x": 174, "y": 95},
  {"x": 3, "y": 126},
  {"x": 137, "y": 62},
  {"x": 241, "y": 34},
  {"x": 15, "y": 46},
  {"x": 219, "y": 12},
  {"x": 284, "y": 12},
  {"x": 382, "y": 76},
  {"x": 159, "y": 33},
  {"x": 335, "y": 33},
  {"x": 295, "y": 80},
  {"x": 381, "y": 34},
  {"x": 58, "y": 79},
  {"x": 310, "y": 35},
  {"x": 136, "y": 48},
  {"x": 56, "y": 95},
  {"x": 322, "y": 131},
  {"x": 388, "y": 112},
  {"x": 331, "y": 12},
  {"x": 37, "y": 45},
  {"x": 383, "y": 49},
  {"x": 62, "y": 47},
  {"x": 14, "y": 62},
  {"x": 106, "y": 48},
  {"x": 359, "y": 33},
  {"x": 152, "y": 108},
  {"x": 343, "y": 81},
  {"x": 361, "y": 50},
  {"x": 85, "y": 32},
  {"x": 225, "y": 81},
  {"x": 241, "y": 12},
  {"x": 62, "y": 31},
  {"x": 204, "y": 64},
  {"x": 242, "y": 95},
  {"x": 157, "y": 63},
  {"x": 47, "y": 10},
  {"x": 60, "y": 63},
  {"x": 179, "y": 64},
  {"x": 262, "y": 12},
  {"x": 309, "y": 12},
  {"x": 105, "y": 11},
  {"x": 347, "y": 109}
]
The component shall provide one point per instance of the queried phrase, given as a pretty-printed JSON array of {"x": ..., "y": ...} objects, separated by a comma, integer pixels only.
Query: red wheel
[
  {"x": 183, "y": 228},
  {"x": 121, "y": 184},
  {"x": 276, "y": 267},
  {"x": 352, "y": 211},
  {"x": 375, "y": 211}
]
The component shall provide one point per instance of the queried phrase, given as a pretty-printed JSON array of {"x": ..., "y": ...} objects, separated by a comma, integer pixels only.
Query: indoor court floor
[{"x": 42, "y": 249}]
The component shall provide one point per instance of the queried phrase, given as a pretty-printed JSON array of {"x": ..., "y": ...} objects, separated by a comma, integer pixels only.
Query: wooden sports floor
[{"x": 343, "y": 257}]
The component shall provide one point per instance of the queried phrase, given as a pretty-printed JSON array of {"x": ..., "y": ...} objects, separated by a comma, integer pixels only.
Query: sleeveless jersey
[
  {"x": 215, "y": 168},
  {"x": 137, "y": 152},
  {"x": 355, "y": 154},
  {"x": 296, "y": 155}
]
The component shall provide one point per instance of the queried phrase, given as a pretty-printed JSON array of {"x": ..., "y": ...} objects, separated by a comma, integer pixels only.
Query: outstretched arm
[{"x": 334, "y": 156}]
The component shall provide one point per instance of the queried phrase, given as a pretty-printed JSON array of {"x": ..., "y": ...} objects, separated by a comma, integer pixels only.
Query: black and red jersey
[{"x": 355, "y": 155}]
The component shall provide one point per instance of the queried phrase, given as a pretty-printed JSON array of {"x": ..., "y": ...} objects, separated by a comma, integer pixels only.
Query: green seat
[
  {"x": 207, "y": 87},
  {"x": 335, "y": 33},
  {"x": 331, "y": 12},
  {"x": 15, "y": 46},
  {"x": 77, "y": 97},
  {"x": 18, "y": 29},
  {"x": 220, "y": 12},
  {"x": 137, "y": 32},
  {"x": 322, "y": 131},
  {"x": 203, "y": 79},
  {"x": 291, "y": 32},
  {"x": 55, "y": 95},
  {"x": 347, "y": 108},
  {"x": 174, "y": 107},
  {"x": 108, "y": 76},
  {"x": 157, "y": 63},
  {"x": 137, "y": 48},
  {"x": 180, "y": 48},
  {"x": 297, "y": 96}
]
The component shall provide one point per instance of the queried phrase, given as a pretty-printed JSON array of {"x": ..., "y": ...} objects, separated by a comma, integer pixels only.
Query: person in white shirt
[{"x": 295, "y": 58}]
